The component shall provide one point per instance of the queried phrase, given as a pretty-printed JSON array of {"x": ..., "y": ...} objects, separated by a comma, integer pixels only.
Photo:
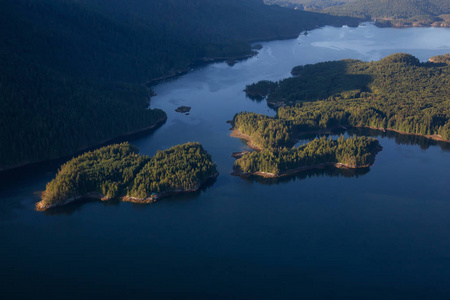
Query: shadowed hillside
[{"x": 72, "y": 71}]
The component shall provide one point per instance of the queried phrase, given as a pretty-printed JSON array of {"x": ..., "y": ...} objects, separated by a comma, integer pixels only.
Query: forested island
[
  {"x": 385, "y": 13},
  {"x": 397, "y": 93},
  {"x": 273, "y": 138},
  {"x": 75, "y": 73},
  {"x": 120, "y": 171},
  {"x": 354, "y": 152}
]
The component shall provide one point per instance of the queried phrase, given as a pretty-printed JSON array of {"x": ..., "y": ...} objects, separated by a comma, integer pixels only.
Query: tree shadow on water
[
  {"x": 303, "y": 175},
  {"x": 400, "y": 138},
  {"x": 78, "y": 205}
]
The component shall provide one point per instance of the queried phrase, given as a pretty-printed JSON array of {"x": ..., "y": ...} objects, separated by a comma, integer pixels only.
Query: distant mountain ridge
[{"x": 398, "y": 13}]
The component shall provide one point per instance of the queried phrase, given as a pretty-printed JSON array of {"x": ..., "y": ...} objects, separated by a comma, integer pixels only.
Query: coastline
[
  {"x": 255, "y": 95},
  {"x": 435, "y": 137},
  {"x": 393, "y": 23},
  {"x": 158, "y": 123},
  {"x": 93, "y": 195},
  {"x": 208, "y": 60},
  {"x": 198, "y": 63},
  {"x": 238, "y": 172},
  {"x": 153, "y": 198},
  {"x": 237, "y": 134}
]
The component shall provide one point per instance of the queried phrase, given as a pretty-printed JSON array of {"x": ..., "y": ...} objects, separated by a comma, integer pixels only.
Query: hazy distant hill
[
  {"x": 388, "y": 12},
  {"x": 71, "y": 71},
  {"x": 310, "y": 5}
]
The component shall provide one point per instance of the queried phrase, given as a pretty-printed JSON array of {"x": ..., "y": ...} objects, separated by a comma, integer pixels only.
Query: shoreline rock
[
  {"x": 238, "y": 155},
  {"x": 237, "y": 134},
  {"x": 40, "y": 206},
  {"x": 183, "y": 109}
]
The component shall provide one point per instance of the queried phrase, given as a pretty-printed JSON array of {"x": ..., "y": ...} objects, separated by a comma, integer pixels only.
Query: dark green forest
[
  {"x": 119, "y": 170},
  {"x": 180, "y": 168},
  {"x": 398, "y": 13},
  {"x": 265, "y": 132},
  {"x": 443, "y": 59},
  {"x": 353, "y": 152},
  {"x": 73, "y": 72},
  {"x": 397, "y": 92},
  {"x": 260, "y": 90}
]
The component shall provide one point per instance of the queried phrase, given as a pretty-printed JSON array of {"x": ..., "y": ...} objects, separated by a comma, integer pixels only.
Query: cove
[{"x": 322, "y": 234}]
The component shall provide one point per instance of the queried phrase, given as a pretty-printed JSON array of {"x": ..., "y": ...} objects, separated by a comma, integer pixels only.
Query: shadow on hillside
[{"x": 320, "y": 81}]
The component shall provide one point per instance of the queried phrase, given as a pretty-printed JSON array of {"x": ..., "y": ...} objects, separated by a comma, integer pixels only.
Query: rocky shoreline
[
  {"x": 40, "y": 206},
  {"x": 238, "y": 172},
  {"x": 157, "y": 196},
  {"x": 237, "y": 134}
]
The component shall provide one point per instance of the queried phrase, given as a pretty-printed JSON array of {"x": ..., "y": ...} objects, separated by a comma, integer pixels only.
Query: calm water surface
[{"x": 380, "y": 233}]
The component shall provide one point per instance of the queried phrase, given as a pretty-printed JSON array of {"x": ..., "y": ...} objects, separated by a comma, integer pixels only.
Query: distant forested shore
[{"x": 385, "y": 13}]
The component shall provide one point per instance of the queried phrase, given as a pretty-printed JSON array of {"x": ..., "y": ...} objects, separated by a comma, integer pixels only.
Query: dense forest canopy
[
  {"x": 118, "y": 170},
  {"x": 386, "y": 12},
  {"x": 397, "y": 92},
  {"x": 445, "y": 59},
  {"x": 353, "y": 152},
  {"x": 180, "y": 168},
  {"x": 72, "y": 70}
]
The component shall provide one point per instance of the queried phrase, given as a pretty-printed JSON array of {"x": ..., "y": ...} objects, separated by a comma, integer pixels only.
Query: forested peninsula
[
  {"x": 75, "y": 73},
  {"x": 397, "y": 93},
  {"x": 119, "y": 171},
  {"x": 385, "y": 13}
]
